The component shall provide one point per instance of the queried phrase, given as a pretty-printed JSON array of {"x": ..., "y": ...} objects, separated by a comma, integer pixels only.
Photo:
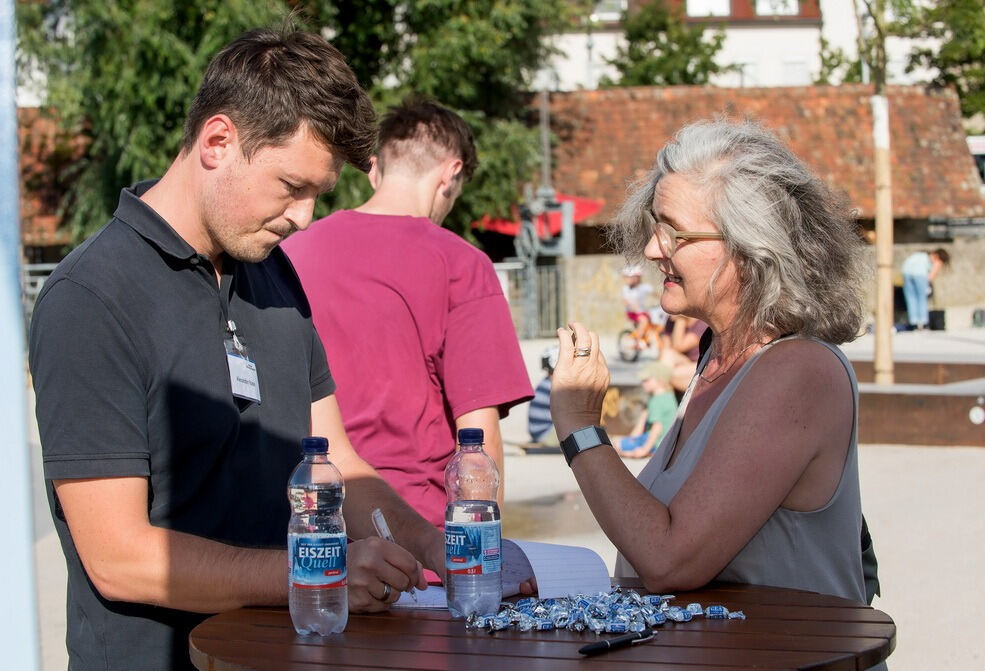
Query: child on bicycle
[{"x": 635, "y": 296}]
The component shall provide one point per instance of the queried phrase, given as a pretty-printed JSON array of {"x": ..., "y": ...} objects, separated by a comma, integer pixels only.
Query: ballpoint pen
[
  {"x": 617, "y": 642},
  {"x": 383, "y": 531}
]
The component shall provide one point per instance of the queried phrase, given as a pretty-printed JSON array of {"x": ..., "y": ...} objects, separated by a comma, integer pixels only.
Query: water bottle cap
[
  {"x": 470, "y": 437},
  {"x": 314, "y": 445}
]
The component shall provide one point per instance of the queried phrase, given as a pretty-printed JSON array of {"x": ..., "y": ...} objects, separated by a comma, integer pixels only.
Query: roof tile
[{"x": 610, "y": 137}]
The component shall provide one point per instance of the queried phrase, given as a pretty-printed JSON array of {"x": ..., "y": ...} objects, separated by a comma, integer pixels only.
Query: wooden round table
[{"x": 784, "y": 629}]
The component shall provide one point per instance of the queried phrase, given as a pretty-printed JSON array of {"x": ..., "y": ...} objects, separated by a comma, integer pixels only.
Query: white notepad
[{"x": 560, "y": 570}]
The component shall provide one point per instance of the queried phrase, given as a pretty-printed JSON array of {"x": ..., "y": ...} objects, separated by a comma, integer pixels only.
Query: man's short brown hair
[
  {"x": 408, "y": 128},
  {"x": 269, "y": 82}
]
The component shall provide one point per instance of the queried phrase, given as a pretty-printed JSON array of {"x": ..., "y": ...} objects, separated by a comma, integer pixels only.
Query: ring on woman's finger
[
  {"x": 583, "y": 351},
  {"x": 386, "y": 592}
]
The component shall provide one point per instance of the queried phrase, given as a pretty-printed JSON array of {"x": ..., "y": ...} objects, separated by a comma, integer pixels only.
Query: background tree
[
  {"x": 837, "y": 67},
  {"x": 122, "y": 74},
  {"x": 662, "y": 50},
  {"x": 959, "y": 25},
  {"x": 478, "y": 57}
]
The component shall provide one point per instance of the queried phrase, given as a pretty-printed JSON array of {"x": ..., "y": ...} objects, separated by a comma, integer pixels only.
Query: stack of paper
[{"x": 560, "y": 570}]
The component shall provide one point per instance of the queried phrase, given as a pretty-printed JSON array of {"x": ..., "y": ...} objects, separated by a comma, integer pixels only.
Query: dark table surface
[{"x": 784, "y": 629}]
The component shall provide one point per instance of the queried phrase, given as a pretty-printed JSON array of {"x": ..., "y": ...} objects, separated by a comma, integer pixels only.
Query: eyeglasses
[{"x": 667, "y": 235}]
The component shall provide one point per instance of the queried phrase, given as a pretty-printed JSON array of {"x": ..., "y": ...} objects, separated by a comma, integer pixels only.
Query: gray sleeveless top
[{"x": 817, "y": 551}]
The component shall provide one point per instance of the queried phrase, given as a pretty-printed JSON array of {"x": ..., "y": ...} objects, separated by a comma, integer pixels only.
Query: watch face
[{"x": 583, "y": 439}]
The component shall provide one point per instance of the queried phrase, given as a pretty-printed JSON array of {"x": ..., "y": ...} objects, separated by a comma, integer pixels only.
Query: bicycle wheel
[{"x": 626, "y": 341}]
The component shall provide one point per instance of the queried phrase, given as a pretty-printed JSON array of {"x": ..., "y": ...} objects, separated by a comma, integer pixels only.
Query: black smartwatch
[{"x": 584, "y": 439}]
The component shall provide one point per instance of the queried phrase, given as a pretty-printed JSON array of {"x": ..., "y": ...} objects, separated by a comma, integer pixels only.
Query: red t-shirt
[{"x": 417, "y": 333}]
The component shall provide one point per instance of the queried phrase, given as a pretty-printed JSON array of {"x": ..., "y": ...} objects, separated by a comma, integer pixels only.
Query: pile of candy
[{"x": 615, "y": 612}]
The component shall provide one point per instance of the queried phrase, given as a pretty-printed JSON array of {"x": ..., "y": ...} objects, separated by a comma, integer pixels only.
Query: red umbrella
[{"x": 549, "y": 223}]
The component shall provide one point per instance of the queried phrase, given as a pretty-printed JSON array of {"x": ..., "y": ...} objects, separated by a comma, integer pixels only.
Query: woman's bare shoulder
[{"x": 803, "y": 368}]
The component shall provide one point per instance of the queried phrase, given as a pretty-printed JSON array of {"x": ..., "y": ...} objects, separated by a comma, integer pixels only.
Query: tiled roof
[
  {"x": 43, "y": 150},
  {"x": 608, "y": 138}
]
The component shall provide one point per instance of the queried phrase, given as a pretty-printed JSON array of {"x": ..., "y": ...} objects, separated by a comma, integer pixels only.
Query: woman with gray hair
[{"x": 757, "y": 480}]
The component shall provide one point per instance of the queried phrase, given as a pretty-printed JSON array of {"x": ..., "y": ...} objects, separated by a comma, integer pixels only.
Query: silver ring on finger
[
  {"x": 583, "y": 351},
  {"x": 386, "y": 592}
]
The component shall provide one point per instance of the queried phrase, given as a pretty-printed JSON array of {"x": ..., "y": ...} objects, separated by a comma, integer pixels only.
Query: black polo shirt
[{"x": 131, "y": 379}]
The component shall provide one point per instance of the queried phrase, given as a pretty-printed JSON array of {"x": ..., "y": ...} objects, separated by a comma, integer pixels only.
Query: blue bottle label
[
  {"x": 317, "y": 560},
  {"x": 473, "y": 548}
]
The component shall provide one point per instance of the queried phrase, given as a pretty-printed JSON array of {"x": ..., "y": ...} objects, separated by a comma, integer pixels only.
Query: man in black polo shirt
[{"x": 167, "y": 458}]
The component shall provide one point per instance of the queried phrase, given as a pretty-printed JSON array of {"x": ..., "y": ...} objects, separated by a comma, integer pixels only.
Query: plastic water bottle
[
  {"x": 473, "y": 541},
  {"x": 316, "y": 543}
]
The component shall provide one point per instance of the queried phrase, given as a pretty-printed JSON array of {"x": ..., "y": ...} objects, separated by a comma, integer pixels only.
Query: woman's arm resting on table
[{"x": 366, "y": 490}]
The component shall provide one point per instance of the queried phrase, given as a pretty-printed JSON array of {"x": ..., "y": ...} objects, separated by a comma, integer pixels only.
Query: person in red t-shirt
[{"x": 413, "y": 318}]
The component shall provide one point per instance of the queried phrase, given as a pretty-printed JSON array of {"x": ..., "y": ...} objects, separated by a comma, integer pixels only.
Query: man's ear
[
  {"x": 216, "y": 141},
  {"x": 374, "y": 173},
  {"x": 449, "y": 173}
]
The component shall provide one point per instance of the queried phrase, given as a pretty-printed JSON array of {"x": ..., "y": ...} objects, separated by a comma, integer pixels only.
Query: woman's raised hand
[{"x": 580, "y": 380}]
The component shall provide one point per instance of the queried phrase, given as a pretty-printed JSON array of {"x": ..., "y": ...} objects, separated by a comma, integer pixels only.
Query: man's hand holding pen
[
  {"x": 378, "y": 571},
  {"x": 383, "y": 531}
]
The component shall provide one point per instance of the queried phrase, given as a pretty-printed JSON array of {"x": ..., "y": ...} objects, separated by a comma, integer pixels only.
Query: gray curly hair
[{"x": 795, "y": 243}]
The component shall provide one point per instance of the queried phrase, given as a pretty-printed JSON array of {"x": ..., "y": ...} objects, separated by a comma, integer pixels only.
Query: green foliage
[
  {"x": 123, "y": 73},
  {"x": 662, "y": 50},
  {"x": 479, "y": 57},
  {"x": 837, "y": 67},
  {"x": 960, "y": 59}
]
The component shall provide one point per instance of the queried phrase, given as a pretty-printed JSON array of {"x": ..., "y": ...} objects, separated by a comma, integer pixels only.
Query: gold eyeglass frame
[{"x": 671, "y": 235}]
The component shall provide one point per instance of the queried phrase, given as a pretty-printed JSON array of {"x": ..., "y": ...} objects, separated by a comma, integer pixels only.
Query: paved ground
[{"x": 924, "y": 506}]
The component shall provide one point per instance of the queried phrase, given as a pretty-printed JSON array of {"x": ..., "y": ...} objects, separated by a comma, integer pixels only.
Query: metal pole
[
  {"x": 545, "y": 140},
  {"x": 18, "y": 617},
  {"x": 883, "y": 362},
  {"x": 883, "y": 359},
  {"x": 567, "y": 229}
]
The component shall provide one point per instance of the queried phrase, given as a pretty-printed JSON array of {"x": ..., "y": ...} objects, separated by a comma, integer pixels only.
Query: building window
[
  {"x": 778, "y": 7},
  {"x": 796, "y": 73},
  {"x": 699, "y": 8},
  {"x": 748, "y": 74},
  {"x": 609, "y": 11}
]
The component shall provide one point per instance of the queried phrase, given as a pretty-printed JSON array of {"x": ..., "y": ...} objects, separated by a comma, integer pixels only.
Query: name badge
[{"x": 243, "y": 377}]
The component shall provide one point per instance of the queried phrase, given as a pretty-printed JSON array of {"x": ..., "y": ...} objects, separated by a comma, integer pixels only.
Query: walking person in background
[
  {"x": 413, "y": 317},
  {"x": 919, "y": 270}
]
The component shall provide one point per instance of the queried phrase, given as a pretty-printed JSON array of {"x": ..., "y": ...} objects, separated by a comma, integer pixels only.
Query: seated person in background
[
  {"x": 661, "y": 406},
  {"x": 680, "y": 349},
  {"x": 757, "y": 479},
  {"x": 539, "y": 422}
]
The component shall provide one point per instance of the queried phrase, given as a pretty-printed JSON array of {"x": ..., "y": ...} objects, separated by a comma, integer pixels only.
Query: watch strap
[{"x": 582, "y": 440}]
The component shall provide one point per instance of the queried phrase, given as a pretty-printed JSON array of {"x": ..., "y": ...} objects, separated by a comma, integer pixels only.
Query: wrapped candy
[{"x": 614, "y": 612}]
